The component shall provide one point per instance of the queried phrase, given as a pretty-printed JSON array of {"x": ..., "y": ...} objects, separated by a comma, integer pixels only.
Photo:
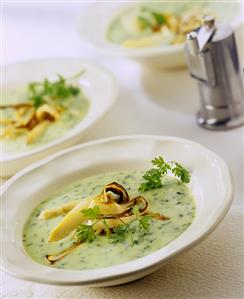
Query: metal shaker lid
[
  {"x": 206, "y": 32},
  {"x": 222, "y": 32}
]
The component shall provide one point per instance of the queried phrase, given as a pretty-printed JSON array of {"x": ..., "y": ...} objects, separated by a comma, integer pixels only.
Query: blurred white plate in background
[
  {"x": 97, "y": 83},
  {"x": 96, "y": 19}
]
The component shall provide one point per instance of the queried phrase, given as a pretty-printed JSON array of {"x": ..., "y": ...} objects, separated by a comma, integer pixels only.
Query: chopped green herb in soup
[
  {"x": 157, "y": 217},
  {"x": 39, "y": 113}
]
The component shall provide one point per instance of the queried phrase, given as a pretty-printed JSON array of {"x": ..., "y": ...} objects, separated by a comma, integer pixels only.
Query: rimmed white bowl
[
  {"x": 211, "y": 185},
  {"x": 165, "y": 56},
  {"x": 97, "y": 83}
]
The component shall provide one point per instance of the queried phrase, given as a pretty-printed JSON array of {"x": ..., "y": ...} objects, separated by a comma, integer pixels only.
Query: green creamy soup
[
  {"x": 173, "y": 200},
  {"x": 76, "y": 111},
  {"x": 123, "y": 28}
]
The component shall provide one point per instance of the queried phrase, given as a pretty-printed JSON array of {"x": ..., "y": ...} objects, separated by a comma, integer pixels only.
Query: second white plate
[{"x": 97, "y": 83}]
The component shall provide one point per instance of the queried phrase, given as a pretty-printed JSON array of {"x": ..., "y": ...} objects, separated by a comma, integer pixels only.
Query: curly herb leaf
[
  {"x": 181, "y": 173},
  {"x": 107, "y": 229},
  {"x": 159, "y": 18},
  {"x": 119, "y": 234},
  {"x": 153, "y": 177},
  {"x": 151, "y": 19},
  {"x": 161, "y": 165},
  {"x": 143, "y": 220},
  {"x": 59, "y": 90},
  {"x": 91, "y": 213},
  {"x": 85, "y": 233}
]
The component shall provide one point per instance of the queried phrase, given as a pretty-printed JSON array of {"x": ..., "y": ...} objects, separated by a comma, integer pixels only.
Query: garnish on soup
[
  {"x": 46, "y": 102},
  {"x": 112, "y": 213},
  {"x": 118, "y": 221},
  {"x": 153, "y": 177},
  {"x": 169, "y": 26},
  {"x": 151, "y": 25}
]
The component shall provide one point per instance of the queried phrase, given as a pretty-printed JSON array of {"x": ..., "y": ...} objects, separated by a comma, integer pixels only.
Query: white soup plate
[
  {"x": 211, "y": 185},
  {"x": 97, "y": 83}
]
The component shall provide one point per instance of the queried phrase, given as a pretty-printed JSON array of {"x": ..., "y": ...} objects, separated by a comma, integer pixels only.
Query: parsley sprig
[
  {"x": 45, "y": 91},
  {"x": 141, "y": 223},
  {"x": 153, "y": 177},
  {"x": 86, "y": 232},
  {"x": 151, "y": 19}
]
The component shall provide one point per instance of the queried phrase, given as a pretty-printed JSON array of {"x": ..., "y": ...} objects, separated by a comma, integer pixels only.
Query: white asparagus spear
[
  {"x": 36, "y": 132},
  {"x": 69, "y": 222},
  {"x": 60, "y": 210},
  {"x": 75, "y": 216},
  {"x": 112, "y": 223}
]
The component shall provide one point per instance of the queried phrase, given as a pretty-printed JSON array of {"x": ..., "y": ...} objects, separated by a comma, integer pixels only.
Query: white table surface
[{"x": 150, "y": 102}]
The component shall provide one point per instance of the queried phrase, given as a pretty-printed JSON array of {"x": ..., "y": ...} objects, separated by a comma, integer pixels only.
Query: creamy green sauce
[
  {"x": 119, "y": 30},
  {"x": 67, "y": 120},
  {"x": 173, "y": 200}
]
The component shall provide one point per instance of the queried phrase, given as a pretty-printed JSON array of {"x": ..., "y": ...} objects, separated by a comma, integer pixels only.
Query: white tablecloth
[{"x": 150, "y": 102}]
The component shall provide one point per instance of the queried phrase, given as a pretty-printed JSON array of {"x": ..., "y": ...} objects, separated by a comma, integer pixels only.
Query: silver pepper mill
[{"x": 213, "y": 61}]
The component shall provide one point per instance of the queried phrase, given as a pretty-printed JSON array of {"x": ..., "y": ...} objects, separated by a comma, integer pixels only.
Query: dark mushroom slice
[
  {"x": 117, "y": 189},
  {"x": 51, "y": 259},
  {"x": 157, "y": 216},
  {"x": 32, "y": 123},
  {"x": 139, "y": 200},
  {"x": 143, "y": 206}
]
